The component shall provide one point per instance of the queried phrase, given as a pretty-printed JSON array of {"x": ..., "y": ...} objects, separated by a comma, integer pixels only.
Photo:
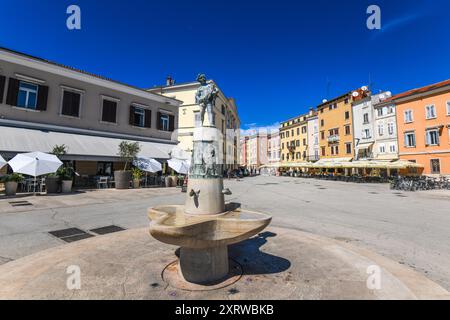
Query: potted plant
[
  {"x": 137, "y": 175},
  {"x": 66, "y": 175},
  {"x": 128, "y": 151},
  {"x": 11, "y": 182},
  {"x": 52, "y": 181}
]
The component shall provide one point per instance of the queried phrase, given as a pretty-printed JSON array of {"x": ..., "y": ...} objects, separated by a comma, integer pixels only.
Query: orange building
[
  {"x": 423, "y": 122},
  {"x": 336, "y": 125}
]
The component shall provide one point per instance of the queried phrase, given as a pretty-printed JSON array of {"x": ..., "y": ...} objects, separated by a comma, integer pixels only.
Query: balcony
[
  {"x": 313, "y": 158},
  {"x": 334, "y": 138}
]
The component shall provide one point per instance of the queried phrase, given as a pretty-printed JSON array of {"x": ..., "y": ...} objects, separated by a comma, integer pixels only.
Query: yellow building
[
  {"x": 225, "y": 116},
  {"x": 336, "y": 128},
  {"x": 294, "y": 140}
]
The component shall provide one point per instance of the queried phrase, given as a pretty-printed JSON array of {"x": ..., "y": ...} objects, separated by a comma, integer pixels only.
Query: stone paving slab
[{"x": 278, "y": 264}]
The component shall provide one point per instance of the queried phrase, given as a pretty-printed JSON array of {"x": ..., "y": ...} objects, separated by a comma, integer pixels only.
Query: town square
[{"x": 233, "y": 155}]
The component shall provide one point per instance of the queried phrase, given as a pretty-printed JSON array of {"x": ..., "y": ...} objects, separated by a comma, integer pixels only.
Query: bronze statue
[{"x": 206, "y": 97}]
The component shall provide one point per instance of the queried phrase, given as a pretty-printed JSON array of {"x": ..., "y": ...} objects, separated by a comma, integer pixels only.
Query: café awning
[{"x": 80, "y": 147}]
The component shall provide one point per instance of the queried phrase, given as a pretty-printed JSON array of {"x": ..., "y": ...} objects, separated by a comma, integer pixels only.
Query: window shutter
[
  {"x": 159, "y": 121},
  {"x": 132, "y": 115},
  {"x": 428, "y": 137},
  {"x": 13, "y": 92},
  {"x": 2, "y": 87},
  {"x": 171, "y": 123},
  {"x": 148, "y": 119},
  {"x": 42, "y": 98},
  {"x": 109, "y": 111}
]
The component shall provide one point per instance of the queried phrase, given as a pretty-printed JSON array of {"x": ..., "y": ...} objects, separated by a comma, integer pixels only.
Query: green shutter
[
  {"x": 2, "y": 87},
  {"x": 13, "y": 92}
]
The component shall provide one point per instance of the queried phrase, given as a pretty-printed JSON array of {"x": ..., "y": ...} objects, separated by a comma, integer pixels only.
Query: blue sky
[{"x": 274, "y": 57}]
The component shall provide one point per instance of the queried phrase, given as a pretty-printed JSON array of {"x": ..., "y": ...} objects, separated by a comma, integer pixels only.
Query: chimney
[
  {"x": 170, "y": 81},
  {"x": 311, "y": 111}
]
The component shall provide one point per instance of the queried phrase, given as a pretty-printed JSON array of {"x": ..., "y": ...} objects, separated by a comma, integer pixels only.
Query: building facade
[
  {"x": 313, "y": 137},
  {"x": 43, "y": 104},
  {"x": 386, "y": 140},
  {"x": 373, "y": 128},
  {"x": 423, "y": 120},
  {"x": 273, "y": 147},
  {"x": 294, "y": 140},
  {"x": 336, "y": 137},
  {"x": 225, "y": 119}
]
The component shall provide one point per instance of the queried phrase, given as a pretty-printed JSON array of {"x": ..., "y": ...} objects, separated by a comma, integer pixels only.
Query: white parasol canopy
[
  {"x": 35, "y": 163},
  {"x": 2, "y": 162},
  {"x": 148, "y": 164},
  {"x": 180, "y": 166}
]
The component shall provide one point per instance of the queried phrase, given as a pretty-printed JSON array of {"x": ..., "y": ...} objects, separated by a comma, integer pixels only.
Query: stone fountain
[{"x": 205, "y": 226}]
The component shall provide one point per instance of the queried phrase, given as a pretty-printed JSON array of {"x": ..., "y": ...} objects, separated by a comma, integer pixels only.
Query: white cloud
[{"x": 253, "y": 128}]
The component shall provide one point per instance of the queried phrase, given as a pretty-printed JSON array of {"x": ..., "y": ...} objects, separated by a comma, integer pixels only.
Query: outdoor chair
[{"x": 102, "y": 183}]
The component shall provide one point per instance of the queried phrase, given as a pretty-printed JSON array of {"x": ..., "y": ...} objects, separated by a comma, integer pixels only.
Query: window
[
  {"x": 322, "y": 135},
  {"x": 223, "y": 110},
  {"x": 391, "y": 128},
  {"x": 104, "y": 168},
  {"x": 27, "y": 97},
  {"x": 408, "y": 116},
  {"x": 348, "y": 148},
  {"x": 298, "y": 131},
  {"x": 71, "y": 103},
  {"x": 382, "y": 148},
  {"x": 347, "y": 115},
  {"x": 347, "y": 130},
  {"x": 282, "y": 145},
  {"x": 334, "y": 150},
  {"x": 392, "y": 148},
  {"x": 304, "y": 129},
  {"x": 410, "y": 140},
  {"x": 304, "y": 142},
  {"x": 380, "y": 112},
  {"x": 109, "y": 111},
  {"x": 435, "y": 166},
  {"x": 448, "y": 108},
  {"x": 366, "y": 134},
  {"x": 323, "y": 151},
  {"x": 322, "y": 123},
  {"x": 430, "y": 112},
  {"x": 140, "y": 117},
  {"x": 166, "y": 122},
  {"x": 380, "y": 129},
  {"x": 346, "y": 101},
  {"x": 298, "y": 155},
  {"x": 432, "y": 137},
  {"x": 366, "y": 118},
  {"x": 287, "y": 134},
  {"x": 297, "y": 143}
]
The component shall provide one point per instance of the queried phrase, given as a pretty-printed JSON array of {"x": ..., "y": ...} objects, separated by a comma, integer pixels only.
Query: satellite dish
[
  {"x": 324, "y": 100},
  {"x": 382, "y": 97},
  {"x": 364, "y": 88},
  {"x": 388, "y": 93},
  {"x": 355, "y": 94}
]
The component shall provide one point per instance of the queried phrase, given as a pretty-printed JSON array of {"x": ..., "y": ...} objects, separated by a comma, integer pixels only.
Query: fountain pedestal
[{"x": 204, "y": 265}]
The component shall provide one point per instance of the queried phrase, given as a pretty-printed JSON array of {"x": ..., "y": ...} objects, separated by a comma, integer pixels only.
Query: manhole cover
[
  {"x": 71, "y": 234},
  {"x": 107, "y": 230},
  {"x": 20, "y": 203}
]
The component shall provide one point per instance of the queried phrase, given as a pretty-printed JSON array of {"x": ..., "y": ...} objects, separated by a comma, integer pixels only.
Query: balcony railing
[
  {"x": 334, "y": 138},
  {"x": 313, "y": 158}
]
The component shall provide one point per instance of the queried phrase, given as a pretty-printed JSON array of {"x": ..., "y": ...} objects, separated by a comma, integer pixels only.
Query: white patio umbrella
[
  {"x": 35, "y": 164},
  {"x": 2, "y": 162},
  {"x": 180, "y": 166},
  {"x": 148, "y": 164}
]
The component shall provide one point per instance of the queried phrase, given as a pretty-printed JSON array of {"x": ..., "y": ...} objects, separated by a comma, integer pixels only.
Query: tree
[
  {"x": 59, "y": 150},
  {"x": 128, "y": 151}
]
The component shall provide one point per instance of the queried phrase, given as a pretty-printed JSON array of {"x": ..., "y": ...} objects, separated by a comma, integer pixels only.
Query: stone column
[{"x": 204, "y": 266}]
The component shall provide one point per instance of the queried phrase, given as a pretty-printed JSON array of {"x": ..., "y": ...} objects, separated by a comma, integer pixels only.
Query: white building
[
  {"x": 273, "y": 147},
  {"x": 313, "y": 137},
  {"x": 374, "y": 128},
  {"x": 386, "y": 142}
]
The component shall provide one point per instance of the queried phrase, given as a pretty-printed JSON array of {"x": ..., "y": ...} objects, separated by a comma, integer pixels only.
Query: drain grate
[
  {"x": 71, "y": 234},
  {"x": 107, "y": 229},
  {"x": 20, "y": 203}
]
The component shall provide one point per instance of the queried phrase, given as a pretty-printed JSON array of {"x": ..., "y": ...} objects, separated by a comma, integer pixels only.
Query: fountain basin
[{"x": 171, "y": 225}]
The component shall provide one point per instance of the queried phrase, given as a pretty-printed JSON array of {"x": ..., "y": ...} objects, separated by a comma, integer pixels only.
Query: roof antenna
[{"x": 328, "y": 88}]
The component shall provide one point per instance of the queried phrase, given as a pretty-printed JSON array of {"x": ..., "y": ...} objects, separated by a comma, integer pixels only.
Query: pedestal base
[
  {"x": 209, "y": 201},
  {"x": 203, "y": 266}
]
